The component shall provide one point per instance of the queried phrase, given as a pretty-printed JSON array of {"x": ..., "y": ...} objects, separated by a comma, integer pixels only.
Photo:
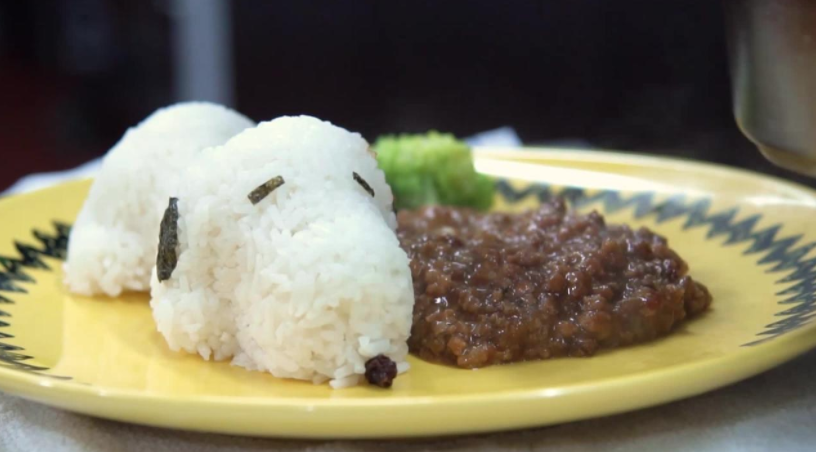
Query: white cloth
[
  {"x": 774, "y": 411},
  {"x": 43, "y": 180}
]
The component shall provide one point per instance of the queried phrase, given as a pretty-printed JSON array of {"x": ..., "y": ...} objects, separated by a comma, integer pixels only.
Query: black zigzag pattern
[
  {"x": 13, "y": 279},
  {"x": 784, "y": 254}
]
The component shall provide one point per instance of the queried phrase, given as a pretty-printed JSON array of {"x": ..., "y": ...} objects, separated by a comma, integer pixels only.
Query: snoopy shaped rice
[
  {"x": 309, "y": 282},
  {"x": 112, "y": 247}
]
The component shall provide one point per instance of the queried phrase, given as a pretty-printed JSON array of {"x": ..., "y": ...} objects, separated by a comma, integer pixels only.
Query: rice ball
[
  {"x": 309, "y": 282},
  {"x": 112, "y": 246}
]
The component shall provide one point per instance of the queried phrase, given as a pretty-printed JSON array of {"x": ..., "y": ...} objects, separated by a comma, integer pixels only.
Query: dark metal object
[{"x": 772, "y": 50}]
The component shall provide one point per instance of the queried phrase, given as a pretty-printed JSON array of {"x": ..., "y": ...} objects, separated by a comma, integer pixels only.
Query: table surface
[{"x": 773, "y": 411}]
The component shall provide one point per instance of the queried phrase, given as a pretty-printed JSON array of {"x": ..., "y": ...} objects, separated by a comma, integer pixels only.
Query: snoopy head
[{"x": 286, "y": 254}]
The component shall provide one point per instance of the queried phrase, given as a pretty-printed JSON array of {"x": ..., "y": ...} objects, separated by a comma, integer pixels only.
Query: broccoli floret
[{"x": 432, "y": 168}]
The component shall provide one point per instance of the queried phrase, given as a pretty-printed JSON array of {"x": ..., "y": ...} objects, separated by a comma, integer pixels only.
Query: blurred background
[{"x": 634, "y": 75}]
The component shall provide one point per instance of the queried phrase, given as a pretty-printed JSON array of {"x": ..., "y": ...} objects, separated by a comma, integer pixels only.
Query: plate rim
[
  {"x": 540, "y": 154},
  {"x": 529, "y": 407}
]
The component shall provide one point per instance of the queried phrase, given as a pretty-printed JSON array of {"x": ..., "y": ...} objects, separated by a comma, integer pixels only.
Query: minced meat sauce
[{"x": 497, "y": 288}]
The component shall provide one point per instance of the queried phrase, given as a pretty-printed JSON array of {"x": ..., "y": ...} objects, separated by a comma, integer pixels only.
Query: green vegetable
[{"x": 433, "y": 168}]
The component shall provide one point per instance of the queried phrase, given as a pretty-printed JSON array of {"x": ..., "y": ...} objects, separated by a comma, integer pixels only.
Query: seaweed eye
[
  {"x": 262, "y": 191},
  {"x": 363, "y": 184},
  {"x": 167, "y": 257}
]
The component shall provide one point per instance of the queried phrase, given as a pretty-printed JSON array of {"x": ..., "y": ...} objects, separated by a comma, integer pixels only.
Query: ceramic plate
[{"x": 749, "y": 238}]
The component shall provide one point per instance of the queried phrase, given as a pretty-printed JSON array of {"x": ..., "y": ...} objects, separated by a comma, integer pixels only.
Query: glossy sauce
[{"x": 497, "y": 288}]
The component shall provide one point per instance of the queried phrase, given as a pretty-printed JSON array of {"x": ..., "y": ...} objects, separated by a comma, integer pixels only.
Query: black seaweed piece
[
  {"x": 363, "y": 184},
  {"x": 167, "y": 257},
  {"x": 263, "y": 190},
  {"x": 380, "y": 371}
]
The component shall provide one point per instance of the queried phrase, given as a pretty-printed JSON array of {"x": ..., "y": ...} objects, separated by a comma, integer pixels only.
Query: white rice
[
  {"x": 309, "y": 283},
  {"x": 113, "y": 241}
]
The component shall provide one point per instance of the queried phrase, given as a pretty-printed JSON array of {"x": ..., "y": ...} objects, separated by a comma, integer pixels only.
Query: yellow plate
[{"x": 745, "y": 236}]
